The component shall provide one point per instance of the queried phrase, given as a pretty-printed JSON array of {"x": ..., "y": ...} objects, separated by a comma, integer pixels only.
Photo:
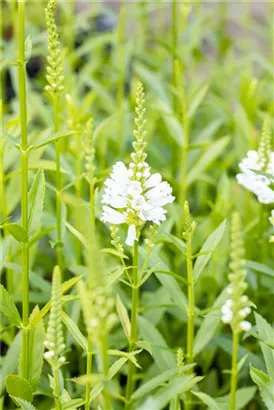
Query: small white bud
[
  {"x": 244, "y": 299},
  {"x": 49, "y": 354},
  {"x": 62, "y": 359},
  {"x": 245, "y": 326}
]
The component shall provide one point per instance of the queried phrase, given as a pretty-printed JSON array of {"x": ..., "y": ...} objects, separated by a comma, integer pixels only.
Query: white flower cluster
[
  {"x": 50, "y": 354},
  {"x": 229, "y": 311},
  {"x": 135, "y": 197},
  {"x": 258, "y": 184}
]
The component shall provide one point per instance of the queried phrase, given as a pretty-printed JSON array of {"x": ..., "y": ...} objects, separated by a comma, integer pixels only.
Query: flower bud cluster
[
  {"x": 54, "y": 337},
  {"x": 237, "y": 307},
  {"x": 55, "y": 75},
  {"x": 89, "y": 148},
  {"x": 180, "y": 360},
  {"x": 116, "y": 239}
]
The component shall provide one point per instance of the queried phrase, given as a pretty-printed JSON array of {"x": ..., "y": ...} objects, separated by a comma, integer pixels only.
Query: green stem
[
  {"x": 92, "y": 205},
  {"x": 133, "y": 320},
  {"x": 78, "y": 191},
  {"x": 24, "y": 183},
  {"x": 121, "y": 81},
  {"x": 105, "y": 369},
  {"x": 191, "y": 303},
  {"x": 190, "y": 312},
  {"x": 233, "y": 385},
  {"x": 175, "y": 35},
  {"x": 57, "y": 393},
  {"x": 88, "y": 372},
  {"x": 58, "y": 187}
]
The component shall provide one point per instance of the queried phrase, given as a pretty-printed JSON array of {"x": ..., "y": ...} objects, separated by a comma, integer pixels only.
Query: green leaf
[
  {"x": 153, "y": 383},
  {"x": 177, "y": 386},
  {"x": 266, "y": 386},
  {"x": 209, "y": 245},
  {"x": 36, "y": 201},
  {"x": 208, "y": 400},
  {"x": 77, "y": 234},
  {"x": 210, "y": 324},
  {"x": 174, "y": 128},
  {"x": 25, "y": 405},
  {"x": 28, "y": 48},
  {"x": 266, "y": 333},
  {"x": 161, "y": 353},
  {"x": 57, "y": 137},
  {"x": 114, "y": 369},
  {"x": 130, "y": 356},
  {"x": 123, "y": 316},
  {"x": 72, "y": 404},
  {"x": 75, "y": 332},
  {"x": 10, "y": 360},
  {"x": 243, "y": 397},
  {"x": 65, "y": 287},
  {"x": 259, "y": 267},
  {"x": 17, "y": 231},
  {"x": 19, "y": 387},
  {"x": 8, "y": 307},
  {"x": 197, "y": 99},
  {"x": 36, "y": 350},
  {"x": 213, "y": 151}
]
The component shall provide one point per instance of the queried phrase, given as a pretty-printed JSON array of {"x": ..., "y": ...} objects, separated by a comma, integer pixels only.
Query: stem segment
[
  {"x": 88, "y": 371},
  {"x": 24, "y": 183},
  {"x": 133, "y": 320},
  {"x": 58, "y": 405},
  {"x": 191, "y": 303},
  {"x": 233, "y": 385},
  {"x": 58, "y": 187}
]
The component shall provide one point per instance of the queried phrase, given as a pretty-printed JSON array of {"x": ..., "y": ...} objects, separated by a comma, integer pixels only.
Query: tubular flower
[
  {"x": 271, "y": 220},
  {"x": 135, "y": 199},
  {"x": 261, "y": 160}
]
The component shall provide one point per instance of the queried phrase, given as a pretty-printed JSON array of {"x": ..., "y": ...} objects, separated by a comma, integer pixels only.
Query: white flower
[
  {"x": 135, "y": 197},
  {"x": 49, "y": 354},
  {"x": 258, "y": 184},
  {"x": 245, "y": 326}
]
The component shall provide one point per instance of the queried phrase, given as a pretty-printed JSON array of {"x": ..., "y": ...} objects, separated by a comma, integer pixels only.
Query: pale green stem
[
  {"x": 133, "y": 320},
  {"x": 59, "y": 252},
  {"x": 57, "y": 393},
  {"x": 233, "y": 385},
  {"x": 88, "y": 372},
  {"x": 105, "y": 369},
  {"x": 121, "y": 82},
  {"x": 78, "y": 190},
  {"x": 92, "y": 205},
  {"x": 24, "y": 184},
  {"x": 175, "y": 35},
  {"x": 190, "y": 313}
]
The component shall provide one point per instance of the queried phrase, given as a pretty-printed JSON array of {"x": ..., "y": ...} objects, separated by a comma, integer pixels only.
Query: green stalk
[
  {"x": 59, "y": 246},
  {"x": 121, "y": 81},
  {"x": 191, "y": 303},
  {"x": 105, "y": 369},
  {"x": 57, "y": 393},
  {"x": 88, "y": 372},
  {"x": 233, "y": 385},
  {"x": 92, "y": 205},
  {"x": 175, "y": 36},
  {"x": 184, "y": 120},
  {"x": 24, "y": 184},
  {"x": 133, "y": 320}
]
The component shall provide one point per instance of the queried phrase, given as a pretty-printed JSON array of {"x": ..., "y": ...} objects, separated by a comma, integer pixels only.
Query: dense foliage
[{"x": 136, "y": 188}]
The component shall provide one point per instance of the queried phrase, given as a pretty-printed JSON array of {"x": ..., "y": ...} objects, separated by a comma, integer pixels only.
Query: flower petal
[{"x": 131, "y": 235}]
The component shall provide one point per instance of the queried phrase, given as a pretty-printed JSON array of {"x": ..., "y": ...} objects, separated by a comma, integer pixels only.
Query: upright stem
[
  {"x": 58, "y": 187},
  {"x": 88, "y": 371},
  {"x": 174, "y": 46},
  {"x": 191, "y": 303},
  {"x": 57, "y": 392},
  {"x": 121, "y": 81},
  {"x": 133, "y": 320},
  {"x": 233, "y": 385},
  {"x": 105, "y": 369},
  {"x": 78, "y": 189},
  {"x": 24, "y": 183},
  {"x": 92, "y": 205},
  {"x": 190, "y": 313}
]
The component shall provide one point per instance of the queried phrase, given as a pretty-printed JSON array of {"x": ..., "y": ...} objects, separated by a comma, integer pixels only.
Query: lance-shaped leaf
[
  {"x": 8, "y": 307},
  {"x": 36, "y": 201}
]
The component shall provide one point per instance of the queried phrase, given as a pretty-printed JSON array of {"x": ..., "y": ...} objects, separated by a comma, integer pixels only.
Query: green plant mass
[{"x": 136, "y": 205}]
